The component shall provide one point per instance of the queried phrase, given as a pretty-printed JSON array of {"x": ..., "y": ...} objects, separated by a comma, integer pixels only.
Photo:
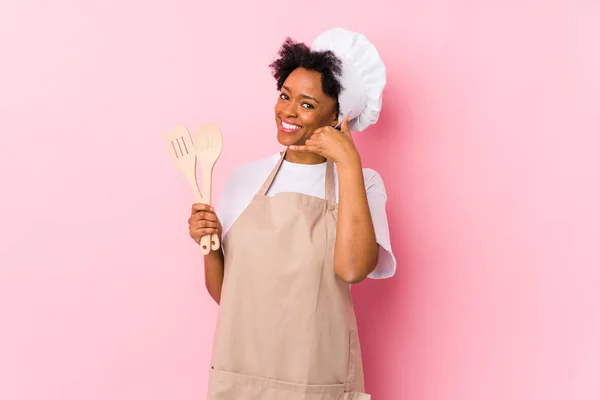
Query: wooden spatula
[
  {"x": 180, "y": 146},
  {"x": 208, "y": 144}
]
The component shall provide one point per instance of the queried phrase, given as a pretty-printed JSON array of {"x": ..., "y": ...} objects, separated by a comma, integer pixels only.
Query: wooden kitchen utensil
[
  {"x": 180, "y": 146},
  {"x": 208, "y": 144}
]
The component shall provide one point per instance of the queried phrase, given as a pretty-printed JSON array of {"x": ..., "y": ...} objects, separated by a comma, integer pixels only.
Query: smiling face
[{"x": 302, "y": 107}]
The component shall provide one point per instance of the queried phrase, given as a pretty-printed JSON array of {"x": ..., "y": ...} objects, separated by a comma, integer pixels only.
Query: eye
[
  {"x": 284, "y": 96},
  {"x": 308, "y": 106}
]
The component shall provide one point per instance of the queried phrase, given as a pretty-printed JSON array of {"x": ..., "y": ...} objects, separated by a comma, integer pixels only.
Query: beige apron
[{"x": 286, "y": 328}]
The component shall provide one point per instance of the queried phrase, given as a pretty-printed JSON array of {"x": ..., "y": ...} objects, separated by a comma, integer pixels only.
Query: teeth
[{"x": 289, "y": 126}]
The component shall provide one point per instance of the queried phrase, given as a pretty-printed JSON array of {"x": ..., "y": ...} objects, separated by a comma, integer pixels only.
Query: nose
[{"x": 289, "y": 110}]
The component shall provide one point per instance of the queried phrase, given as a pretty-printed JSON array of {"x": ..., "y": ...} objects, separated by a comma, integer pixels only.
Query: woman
[{"x": 299, "y": 227}]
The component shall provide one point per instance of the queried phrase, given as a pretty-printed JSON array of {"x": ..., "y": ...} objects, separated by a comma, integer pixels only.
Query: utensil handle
[
  {"x": 216, "y": 243},
  {"x": 207, "y": 182},
  {"x": 209, "y": 242},
  {"x": 198, "y": 198},
  {"x": 205, "y": 244}
]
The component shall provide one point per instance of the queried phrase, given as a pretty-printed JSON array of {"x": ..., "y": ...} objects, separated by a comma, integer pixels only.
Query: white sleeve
[
  {"x": 226, "y": 209},
  {"x": 377, "y": 198}
]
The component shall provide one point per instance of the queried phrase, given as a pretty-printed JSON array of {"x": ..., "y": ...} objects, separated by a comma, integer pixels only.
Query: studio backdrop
[{"x": 487, "y": 143}]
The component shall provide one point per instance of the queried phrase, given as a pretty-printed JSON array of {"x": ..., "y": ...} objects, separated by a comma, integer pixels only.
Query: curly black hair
[{"x": 294, "y": 55}]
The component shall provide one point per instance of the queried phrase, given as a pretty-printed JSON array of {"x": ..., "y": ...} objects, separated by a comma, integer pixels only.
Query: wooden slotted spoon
[
  {"x": 180, "y": 146},
  {"x": 208, "y": 142}
]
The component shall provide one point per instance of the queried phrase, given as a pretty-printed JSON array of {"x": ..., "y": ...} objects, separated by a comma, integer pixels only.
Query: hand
[
  {"x": 203, "y": 221},
  {"x": 330, "y": 143}
]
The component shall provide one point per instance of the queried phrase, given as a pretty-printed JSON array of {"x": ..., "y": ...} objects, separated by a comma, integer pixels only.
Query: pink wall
[{"x": 488, "y": 145}]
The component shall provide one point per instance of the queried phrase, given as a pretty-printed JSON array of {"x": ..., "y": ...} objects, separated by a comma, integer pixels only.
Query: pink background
[{"x": 487, "y": 143}]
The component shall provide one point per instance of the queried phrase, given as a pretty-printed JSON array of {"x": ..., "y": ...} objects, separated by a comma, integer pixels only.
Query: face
[{"x": 302, "y": 107}]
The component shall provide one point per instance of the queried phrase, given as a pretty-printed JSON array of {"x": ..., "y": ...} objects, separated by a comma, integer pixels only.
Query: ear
[{"x": 335, "y": 120}]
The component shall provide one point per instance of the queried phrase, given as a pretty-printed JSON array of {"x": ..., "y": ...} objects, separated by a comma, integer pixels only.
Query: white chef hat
[{"x": 363, "y": 75}]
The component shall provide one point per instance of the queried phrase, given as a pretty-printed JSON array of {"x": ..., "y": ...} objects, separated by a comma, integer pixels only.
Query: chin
[{"x": 287, "y": 139}]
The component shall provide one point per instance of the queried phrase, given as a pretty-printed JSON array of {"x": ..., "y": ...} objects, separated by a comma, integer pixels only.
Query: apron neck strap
[
  {"x": 329, "y": 183},
  {"x": 265, "y": 187},
  {"x": 329, "y": 179}
]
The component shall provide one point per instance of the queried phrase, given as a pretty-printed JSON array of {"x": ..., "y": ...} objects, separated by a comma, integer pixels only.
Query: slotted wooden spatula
[
  {"x": 180, "y": 146},
  {"x": 208, "y": 144}
]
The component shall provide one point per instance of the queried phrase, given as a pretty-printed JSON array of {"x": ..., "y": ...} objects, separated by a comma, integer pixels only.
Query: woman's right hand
[{"x": 203, "y": 221}]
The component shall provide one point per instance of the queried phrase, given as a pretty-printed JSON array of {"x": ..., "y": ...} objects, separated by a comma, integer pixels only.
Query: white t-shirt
[{"x": 246, "y": 180}]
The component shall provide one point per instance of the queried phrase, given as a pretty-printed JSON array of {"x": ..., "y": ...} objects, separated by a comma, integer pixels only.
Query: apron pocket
[{"x": 223, "y": 385}]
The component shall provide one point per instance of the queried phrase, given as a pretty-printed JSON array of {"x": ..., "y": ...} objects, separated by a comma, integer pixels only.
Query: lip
[{"x": 286, "y": 130}]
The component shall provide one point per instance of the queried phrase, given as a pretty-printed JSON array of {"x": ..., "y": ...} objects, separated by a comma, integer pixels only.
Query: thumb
[{"x": 344, "y": 124}]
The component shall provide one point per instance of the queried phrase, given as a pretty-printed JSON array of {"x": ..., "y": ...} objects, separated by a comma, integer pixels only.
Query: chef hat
[{"x": 362, "y": 78}]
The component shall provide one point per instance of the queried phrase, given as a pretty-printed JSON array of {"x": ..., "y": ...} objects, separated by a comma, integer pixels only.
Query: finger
[
  {"x": 197, "y": 207},
  {"x": 203, "y": 224},
  {"x": 198, "y": 233},
  {"x": 198, "y": 218},
  {"x": 305, "y": 148},
  {"x": 344, "y": 125},
  {"x": 203, "y": 215},
  {"x": 324, "y": 130},
  {"x": 312, "y": 142},
  {"x": 321, "y": 130}
]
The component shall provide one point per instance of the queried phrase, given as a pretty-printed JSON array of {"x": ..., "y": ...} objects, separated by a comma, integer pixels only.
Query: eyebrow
[{"x": 302, "y": 95}]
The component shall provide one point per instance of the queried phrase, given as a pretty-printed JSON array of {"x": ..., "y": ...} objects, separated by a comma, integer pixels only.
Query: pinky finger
[
  {"x": 204, "y": 232},
  {"x": 302, "y": 148}
]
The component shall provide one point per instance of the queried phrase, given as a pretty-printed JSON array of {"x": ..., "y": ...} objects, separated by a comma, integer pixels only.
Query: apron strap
[
  {"x": 329, "y": 183},
  {"x": 267, "y": 185},
  {"x": 329, "y": 179}
]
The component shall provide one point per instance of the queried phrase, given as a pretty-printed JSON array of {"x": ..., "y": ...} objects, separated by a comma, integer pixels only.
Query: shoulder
[
  {"x": 250, "y": 171},
  {"x": 373, "y": 182},
  {"x": 242, "y": 183}
]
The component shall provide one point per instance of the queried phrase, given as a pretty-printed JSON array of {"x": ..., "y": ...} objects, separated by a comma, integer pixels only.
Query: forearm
[
  {"x": 214, "y": 263},
  {"x": 356, "y": 248}
]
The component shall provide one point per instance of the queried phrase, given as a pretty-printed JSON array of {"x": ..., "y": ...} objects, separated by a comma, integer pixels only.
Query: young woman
[{"x": 299, "y": 227}]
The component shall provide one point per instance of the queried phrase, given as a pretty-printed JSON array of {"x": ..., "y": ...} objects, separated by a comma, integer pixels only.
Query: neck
[{"x": 300, "y": 157}]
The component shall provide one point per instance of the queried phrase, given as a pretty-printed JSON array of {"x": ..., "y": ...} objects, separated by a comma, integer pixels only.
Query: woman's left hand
[{"x": 330, "y": 143}]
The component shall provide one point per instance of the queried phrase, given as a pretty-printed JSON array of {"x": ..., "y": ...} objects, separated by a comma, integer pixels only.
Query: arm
[
  {"x": 204, "y": 221},
  {"x": 356, "y": 249},
  {"x": 213, "y": 273}
]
